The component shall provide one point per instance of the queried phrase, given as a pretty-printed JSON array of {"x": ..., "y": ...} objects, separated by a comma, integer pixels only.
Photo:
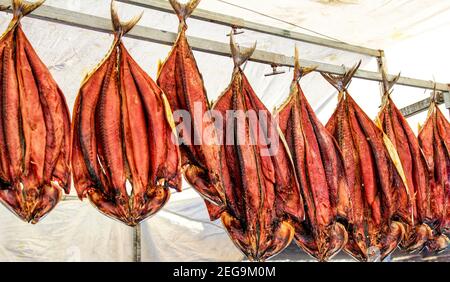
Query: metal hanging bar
[
  {"x": 204, "y": 15},
  {"x": 447, "y": 101},
  {"x": 86, "y": 21},
  {"x": 417, "y": 107},
  {"x": 421, "y": 106},
  {"x": 137, "y": 253},
  {"x": 69, "y": 198}
]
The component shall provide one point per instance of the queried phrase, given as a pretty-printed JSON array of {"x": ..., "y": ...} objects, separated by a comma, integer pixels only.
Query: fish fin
[
  {"x": 168, "y": 113},
  {"x": 419, "y": 127},
  {"x": 160, "y": 66},
  {"x": 395, "y": 235},
  {"x": 214, "y": 211}
]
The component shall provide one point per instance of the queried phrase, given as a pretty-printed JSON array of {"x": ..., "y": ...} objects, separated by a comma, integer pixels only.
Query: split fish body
[
  {"x": 181, "y": 80},
  {"x": 124, "y": 158},
  {"x": 320, "y": 170},
  {"x": 435, "y": 142},
  {"x": 263, "y": 203},
  {"x": 374, "y": 179},
  {"x": 35, "y": 127},
  {"x": 417, "y": 213}
]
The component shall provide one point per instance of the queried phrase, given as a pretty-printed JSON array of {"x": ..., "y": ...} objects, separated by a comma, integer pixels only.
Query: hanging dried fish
[
  {"x": 373, "y": 174},
  {"x": 434, "y": 138},
  {"x": 320, "y": 168},
  {"x": 415, "y": 167},
  {"x": 263, "y": 203},
  {"x": 34, "y": 126},
  {"x": 122, "y": 134},
  {"x": 181, "y": 80}
]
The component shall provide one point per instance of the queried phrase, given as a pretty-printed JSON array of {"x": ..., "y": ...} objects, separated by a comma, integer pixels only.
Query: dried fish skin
[
  {"x": 182, "y": 82},
  {"x": 263, "y": 203},
  {"x": 122, "y": 137},
  {"x": 373, "y": 176},
  {"x": 35, "y": 127},
  {"x": 320, "y": 168},
  {"x": 434, "y": 141},
  {"x": 415, "y": 168}
]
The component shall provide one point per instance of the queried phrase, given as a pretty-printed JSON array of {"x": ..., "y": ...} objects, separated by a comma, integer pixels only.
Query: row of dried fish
[
  {"x": 353, "y": 184},
  {"x": 340, "y": 186}
]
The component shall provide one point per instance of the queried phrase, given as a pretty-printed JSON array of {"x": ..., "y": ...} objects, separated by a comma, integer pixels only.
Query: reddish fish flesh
[
  {"x": 182, "y": 82},
  {"x": 415, "y": 168},
  {"x": 34, "y": 127},
  {"x": 122, "y": 137},
  {"x": 434, "y": 139},
  {"x": 263, "y": 202},
  {"x": 320, "y": 168},
  {"x": 373, "y": 177}
]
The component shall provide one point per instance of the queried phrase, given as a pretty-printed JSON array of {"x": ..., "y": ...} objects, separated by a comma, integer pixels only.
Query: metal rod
[
  {"x": 137, "y": 243},
  {"x": 447, "y": 101},
  {"x": 69, "y": 198},
  {"x": 204, "y": 15},
  {"x": 72, "y": 18},
  {"x": 137, "y": 249},
  {"x": 421, "y": 106}
]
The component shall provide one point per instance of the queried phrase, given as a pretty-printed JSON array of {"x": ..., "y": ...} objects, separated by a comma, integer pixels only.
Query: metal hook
[
  {"x": 275, "y": 70},
  {"x": 235, "y": 30}
]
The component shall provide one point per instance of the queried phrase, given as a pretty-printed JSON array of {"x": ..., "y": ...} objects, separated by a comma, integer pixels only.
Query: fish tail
[
  {"x": 183, "y": 11},
  {"x": 240, "y": 56},
  {"x": 122, "y": 28},
  {"x": 21, "y": 9}
]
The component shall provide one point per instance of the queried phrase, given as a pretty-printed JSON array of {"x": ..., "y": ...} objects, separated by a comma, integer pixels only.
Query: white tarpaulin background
[{"x": 413, "y": 34}]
